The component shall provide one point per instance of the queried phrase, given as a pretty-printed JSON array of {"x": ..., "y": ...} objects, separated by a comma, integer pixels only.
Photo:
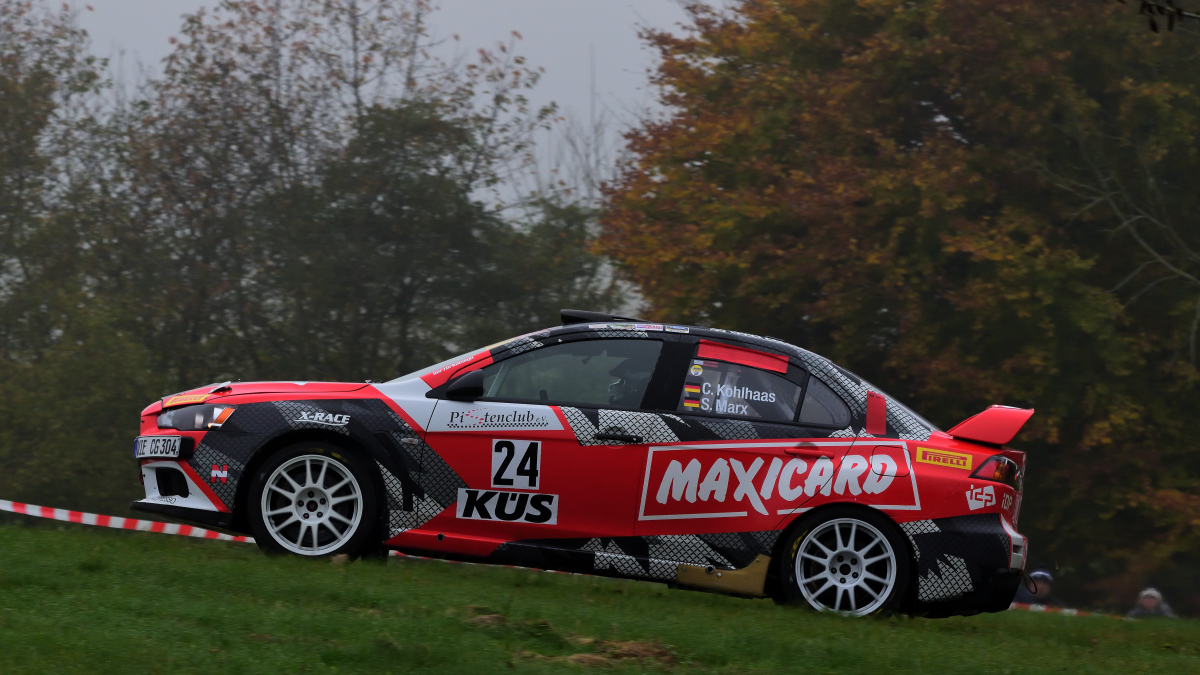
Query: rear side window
[
  {"x": 740, "y": 391},
  {"x": 822, "y": 407},
  {"x": 595, "y": 373}
]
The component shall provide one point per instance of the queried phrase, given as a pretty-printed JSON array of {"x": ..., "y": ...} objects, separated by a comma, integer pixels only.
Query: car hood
[{"x": 217, "y": 391}]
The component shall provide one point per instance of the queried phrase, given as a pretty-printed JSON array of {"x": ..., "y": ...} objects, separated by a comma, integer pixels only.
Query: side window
[
  {"x": 822, "y": 407},
  {"x": 594, "y": 373},
  {"x": 733, "y": 389}
]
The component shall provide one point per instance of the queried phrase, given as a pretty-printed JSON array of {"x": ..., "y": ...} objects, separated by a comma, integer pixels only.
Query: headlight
[{"x": 195, "y": 417}]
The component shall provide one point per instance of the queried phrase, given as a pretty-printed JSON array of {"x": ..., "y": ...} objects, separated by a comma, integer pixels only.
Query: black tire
[
  {"x": 842, "y": 579},
  {"x": 325, "y": 519}
]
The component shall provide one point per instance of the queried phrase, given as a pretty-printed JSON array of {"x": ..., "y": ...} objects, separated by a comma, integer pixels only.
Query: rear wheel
[
  {"x": 846, "y": 560},
  {"x": 314, "y": 500}
]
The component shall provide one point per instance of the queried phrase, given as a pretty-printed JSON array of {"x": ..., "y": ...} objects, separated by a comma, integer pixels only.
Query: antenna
[{"x": 592, "y": 98}]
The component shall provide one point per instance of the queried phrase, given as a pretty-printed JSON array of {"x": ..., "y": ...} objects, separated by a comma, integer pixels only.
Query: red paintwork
[
  {"x": 612, "y": 490},
  {"x": 997, "y": 425},
  {"x": 876, "y": 414},
  {"x": 746, "y": 357},
  {"x": 203, "y": 485},
  {"x": 442, "y": 375}
]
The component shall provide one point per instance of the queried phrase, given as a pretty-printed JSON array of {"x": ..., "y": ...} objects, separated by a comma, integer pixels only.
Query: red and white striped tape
[
  {"x": 1065, "y": 611},
  {"x": 116, "y": 522}
]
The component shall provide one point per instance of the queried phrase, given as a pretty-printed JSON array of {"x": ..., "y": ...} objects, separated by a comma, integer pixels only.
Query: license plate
[{"x": 156, "y": 446}]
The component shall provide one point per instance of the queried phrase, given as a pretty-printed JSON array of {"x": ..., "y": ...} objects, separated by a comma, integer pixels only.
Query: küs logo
[
  {"x": 513, "y": 507},
  {"x": 978, "y": 498},
  {"x": 327, "y": 419}
]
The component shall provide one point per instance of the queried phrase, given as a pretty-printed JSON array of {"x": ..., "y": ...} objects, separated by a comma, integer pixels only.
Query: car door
[
  {"x": 765, "y": 456},
  {"x": 551, "y": 450}
]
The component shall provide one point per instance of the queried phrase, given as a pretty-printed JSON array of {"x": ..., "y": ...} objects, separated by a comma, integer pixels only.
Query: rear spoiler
[{"x": 997, "y": 425}]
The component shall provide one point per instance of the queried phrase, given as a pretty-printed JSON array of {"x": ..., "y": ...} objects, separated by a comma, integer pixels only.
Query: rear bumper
[
  {"x": 996, "y": 596},
  {"x": 965, "y": 564}
]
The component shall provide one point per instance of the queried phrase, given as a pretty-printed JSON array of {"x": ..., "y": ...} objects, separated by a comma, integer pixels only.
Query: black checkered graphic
[
  {"x": 622, "y": 333},
  {"x": 658, "y": 557},
  {"x": 952, "y": 580},
  {"x": 958, "y": 555},
  {"x": 291, "y": 414},
  {"x": 234, "y": 444},
  {"x": 729, "y": 430},
  {"x": 203, "y": 461},
  {"x": 520, "y": 346},
  {"x": 607, "y": 555},
  {"x": 651, "y": 427},
  {"x": 424, "y": 508},
  {"x": 436, "y": 484},
  {"x": 654, "y": 558}
]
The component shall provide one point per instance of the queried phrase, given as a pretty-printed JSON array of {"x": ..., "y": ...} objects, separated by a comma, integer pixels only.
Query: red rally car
[{"x": 693, "y": 456}]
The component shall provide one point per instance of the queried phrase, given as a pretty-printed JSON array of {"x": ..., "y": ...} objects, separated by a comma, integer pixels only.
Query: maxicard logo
[
  {"x": 519, "y": 507},
  {"x": 327, "y": 419},
  {"x": 697, "y": 483}
]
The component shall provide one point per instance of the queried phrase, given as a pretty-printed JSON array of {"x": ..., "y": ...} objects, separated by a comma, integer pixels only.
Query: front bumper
[
  {"x": 210, "y": 519},
  {"x": 966, "y": 564}
]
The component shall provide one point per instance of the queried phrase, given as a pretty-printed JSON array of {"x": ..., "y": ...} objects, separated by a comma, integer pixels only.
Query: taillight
[{"x": 1000, "y": 469}]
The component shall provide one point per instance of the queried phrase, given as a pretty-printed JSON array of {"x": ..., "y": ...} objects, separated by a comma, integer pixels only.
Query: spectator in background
[
  {"x": 1043, "y": 583},
  {"x": 1150, "y": 603}
]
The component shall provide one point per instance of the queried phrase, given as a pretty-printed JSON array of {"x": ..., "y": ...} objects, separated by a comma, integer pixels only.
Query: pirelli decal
[
  {"x": 185, "y": 400},
  {"x": 954, "y": 460}
]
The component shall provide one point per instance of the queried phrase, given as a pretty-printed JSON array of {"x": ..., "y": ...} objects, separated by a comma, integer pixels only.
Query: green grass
[{"x": 92, "y": 601}]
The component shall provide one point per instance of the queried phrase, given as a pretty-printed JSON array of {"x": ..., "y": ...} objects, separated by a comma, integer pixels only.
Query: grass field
[{"x": 90, "y": 601}]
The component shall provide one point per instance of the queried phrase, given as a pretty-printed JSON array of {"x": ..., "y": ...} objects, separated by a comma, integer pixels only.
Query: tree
[
  {"x": 883, "y": 182},
  {"x": 304, "y": 193}
]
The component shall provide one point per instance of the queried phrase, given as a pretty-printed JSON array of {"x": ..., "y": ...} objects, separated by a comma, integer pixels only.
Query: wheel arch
[
  {"x": 774, "y": 586},
  {"x": 365, "y": 449}
]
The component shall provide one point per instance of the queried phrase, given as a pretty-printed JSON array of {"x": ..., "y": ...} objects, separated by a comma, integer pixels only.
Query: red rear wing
[{"x": 997, "y": 425}]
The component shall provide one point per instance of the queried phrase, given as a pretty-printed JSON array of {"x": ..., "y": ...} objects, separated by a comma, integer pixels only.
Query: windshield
[{"x": 461, "y": 357}]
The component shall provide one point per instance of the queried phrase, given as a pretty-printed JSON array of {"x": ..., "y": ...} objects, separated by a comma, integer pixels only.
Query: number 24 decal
[{"x": 512, "y": 472}]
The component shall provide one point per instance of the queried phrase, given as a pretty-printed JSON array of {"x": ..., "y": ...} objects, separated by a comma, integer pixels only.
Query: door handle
[
  {"x": 625, "y": 438},
  {"x": 809, "y": 451}
]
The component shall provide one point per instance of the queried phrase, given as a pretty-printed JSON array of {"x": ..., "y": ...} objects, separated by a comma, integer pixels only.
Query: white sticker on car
[
  {"x": 456, "y": 416},
  {"x": 516, "y": 464},
  {"x": 978, "y": 498}
]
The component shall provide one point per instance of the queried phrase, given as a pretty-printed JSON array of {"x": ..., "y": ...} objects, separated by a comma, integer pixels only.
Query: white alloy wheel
[
  {"x": 312, "y": 505},
  {"x": 846, "y": 565}
]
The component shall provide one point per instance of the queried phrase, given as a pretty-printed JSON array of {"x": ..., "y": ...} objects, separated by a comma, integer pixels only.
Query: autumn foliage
[{"x": 973, "y": 202}]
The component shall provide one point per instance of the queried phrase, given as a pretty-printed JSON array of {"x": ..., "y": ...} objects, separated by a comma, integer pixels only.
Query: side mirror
[
  {"x": 466, "y": 387},
  {"x": 876, "y": 414}
]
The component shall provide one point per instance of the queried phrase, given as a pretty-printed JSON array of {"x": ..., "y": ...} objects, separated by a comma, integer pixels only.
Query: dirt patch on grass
[
  {"x": 488, "y": 620},
  {"x": 605, "y": 653},
  {"x": 594, "y": 653}
]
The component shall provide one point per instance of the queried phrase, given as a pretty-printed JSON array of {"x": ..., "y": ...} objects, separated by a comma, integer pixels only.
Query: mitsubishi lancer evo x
[{"x": 692, "y": 456}]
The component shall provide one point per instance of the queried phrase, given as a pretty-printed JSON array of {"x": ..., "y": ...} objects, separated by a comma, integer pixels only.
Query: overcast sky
[{"x": 559, "y": 35}]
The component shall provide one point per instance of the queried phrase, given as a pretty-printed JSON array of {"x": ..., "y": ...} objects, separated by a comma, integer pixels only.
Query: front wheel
[
  {"x": 846, "y": 560},
  {"x": 314, "y": 500}
]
